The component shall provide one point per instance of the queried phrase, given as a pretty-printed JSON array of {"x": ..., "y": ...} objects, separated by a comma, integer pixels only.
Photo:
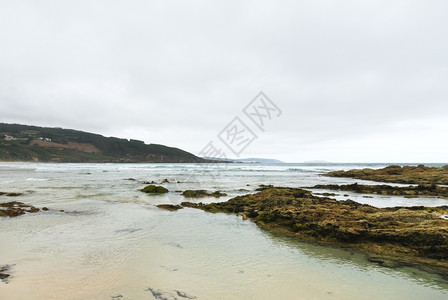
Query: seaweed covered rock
[
  {"x": 263, "y": 187},
  {"x": 406, "y": 191},
  {"x": 199, "y": 205},
  {"x": 15, "y": 209},
  {"x": 202, "y": 193},
  {"x": 154, "y": 189},
  {"x": 418, "y": 235},
  {"x": 407, "y": 174},
  {"x": 170, "y": 207},
  {"x": 10, "y": 194}
]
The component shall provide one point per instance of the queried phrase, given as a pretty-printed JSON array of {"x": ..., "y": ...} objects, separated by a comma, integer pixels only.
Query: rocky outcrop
[
  {"x": 154, "y": 189},
  {"x": 202, "y": 193},
  {"x": 415, "y": 235},
  {"x": 411, "y": 175},
  {"x": 170, "y": 207},
  {"x": 10, "y": 194},
  {"x": 15, "y": 209},
  {"x": 407, "y": 191}
]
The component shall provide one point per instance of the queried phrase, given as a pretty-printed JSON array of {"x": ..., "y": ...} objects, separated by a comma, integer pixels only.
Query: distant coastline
[{"x": 23, "y": 143}]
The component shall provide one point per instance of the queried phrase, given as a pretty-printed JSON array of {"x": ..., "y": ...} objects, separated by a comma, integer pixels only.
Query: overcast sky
[{"x": 356, "y": 81}]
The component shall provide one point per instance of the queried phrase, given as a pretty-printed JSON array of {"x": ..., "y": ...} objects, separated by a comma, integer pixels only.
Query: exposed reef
[
  {"x": 171, "y": 207},
  {"x": 9, "y": 194},
  {"x": 397, "y": 174},
  {"x": 154, "y": 189},
  {"x": 202, "y": 193},
  {"x": 15, "y": 209},
  {"x": 407, "y": 191},
  {"x": 411, "y": 236}
]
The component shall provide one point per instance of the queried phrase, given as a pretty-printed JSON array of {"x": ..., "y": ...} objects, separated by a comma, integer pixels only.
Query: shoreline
[
  {"x": 105, "y": 213},
  {"x": 400, "y": 236}
]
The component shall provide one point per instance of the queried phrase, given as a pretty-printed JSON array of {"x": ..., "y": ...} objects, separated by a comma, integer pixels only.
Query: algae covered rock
[
  {"x": 202, "y": 193},
  {"x": 407, "y": 174},
  {"x": 417, "y": 235},
  {"x": 193, "y": 205},
  {"x": 170, "y": 207},
  {"x": 382, "y": 189},
  {"x": 10, "y": 194},
  {"x": 154, "y": 189},
  {"x": 15, "y": 209}
]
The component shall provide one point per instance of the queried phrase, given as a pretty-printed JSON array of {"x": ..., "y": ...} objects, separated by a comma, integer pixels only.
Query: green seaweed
[
  {"x": 154, "y": 189},
  {"x": 417, "y": 235},
  {"x": 202, "y": 193}
]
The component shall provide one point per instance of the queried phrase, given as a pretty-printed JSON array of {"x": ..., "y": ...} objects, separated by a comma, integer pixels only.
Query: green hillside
[{"x": 33, "y": 143}]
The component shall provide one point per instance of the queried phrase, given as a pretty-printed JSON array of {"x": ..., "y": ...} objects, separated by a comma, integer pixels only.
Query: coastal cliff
[{"x": 33, "y": 143}]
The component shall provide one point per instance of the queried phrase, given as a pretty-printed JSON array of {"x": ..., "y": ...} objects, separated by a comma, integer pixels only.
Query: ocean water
[{"x": 112, "y": 242}]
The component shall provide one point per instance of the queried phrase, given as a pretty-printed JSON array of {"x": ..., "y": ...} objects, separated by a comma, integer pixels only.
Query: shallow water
[{"x": 113, "y": 243}]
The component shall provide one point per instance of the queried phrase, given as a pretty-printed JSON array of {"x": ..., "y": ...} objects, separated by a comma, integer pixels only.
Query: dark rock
[
  {"x": 397, "y": 174},
  {"x": 154, "y": 189},
  {"x": 3, "y": 275},
  {"x": 15, "y": 209},
  {"x": 417, "y": 235},
  {"x": 5, "y": 272},
  {"x": 9, "y": 194},
  {"x": 202, "y": 193},
  {"x": 171, "y": 207},
  {"x": 262, "y": 187},
  {"x": 382, "y": 189},
  {"x": 192, "y": 205}
]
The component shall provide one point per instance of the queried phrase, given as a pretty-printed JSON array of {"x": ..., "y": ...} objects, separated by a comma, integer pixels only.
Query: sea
[{"x": 102, "y": 238}]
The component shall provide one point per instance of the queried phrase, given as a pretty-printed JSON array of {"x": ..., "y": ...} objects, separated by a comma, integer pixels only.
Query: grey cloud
[{"x": 176, "y": 72}]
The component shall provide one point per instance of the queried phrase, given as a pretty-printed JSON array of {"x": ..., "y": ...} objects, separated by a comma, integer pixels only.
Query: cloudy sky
[{"x": 356, "y": 81}]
